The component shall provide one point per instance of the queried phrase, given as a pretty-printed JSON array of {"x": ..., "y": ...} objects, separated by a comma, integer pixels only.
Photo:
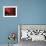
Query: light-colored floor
[
  {"x": 32, "y": 43},
  {"x": 7, "y": 45},
  {"x": 28, "y": 43}
]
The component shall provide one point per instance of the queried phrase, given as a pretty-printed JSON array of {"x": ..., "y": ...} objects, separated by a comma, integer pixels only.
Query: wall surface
[
  {"x": 28, "y": 12},
  {"x": 7, "y": 25}
]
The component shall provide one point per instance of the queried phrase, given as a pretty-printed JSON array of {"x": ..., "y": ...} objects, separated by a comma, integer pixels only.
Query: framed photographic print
[
  {"x": 33, "y": 32},
  {"x": 9, "y": 11}
]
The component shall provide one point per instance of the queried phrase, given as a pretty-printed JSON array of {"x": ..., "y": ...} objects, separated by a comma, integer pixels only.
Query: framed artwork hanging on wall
[{"x": 9, "y": 11}]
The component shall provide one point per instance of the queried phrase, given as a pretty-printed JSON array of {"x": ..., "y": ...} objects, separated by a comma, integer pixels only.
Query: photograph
[
  {"x": 9, "y": 11},
  {"x": 30, "y": 33}
]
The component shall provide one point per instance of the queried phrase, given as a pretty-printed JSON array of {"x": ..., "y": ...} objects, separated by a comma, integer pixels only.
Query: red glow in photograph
[{"x": 9, "y": 11}]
